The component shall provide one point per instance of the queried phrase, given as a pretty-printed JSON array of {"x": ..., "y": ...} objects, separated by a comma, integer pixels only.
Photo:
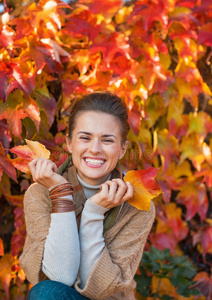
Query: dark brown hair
[{"x": 106, "y": 102}]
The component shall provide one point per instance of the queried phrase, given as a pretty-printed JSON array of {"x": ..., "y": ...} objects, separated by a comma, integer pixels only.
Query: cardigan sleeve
[
  {"x": 119, "y": 260},
  {"x": 37, "y": 210}
]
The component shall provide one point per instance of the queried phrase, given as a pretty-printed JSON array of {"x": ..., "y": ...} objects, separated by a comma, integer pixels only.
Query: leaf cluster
[
  {"x": 155, "y": 55},
  {"x": 162, "y": 265}
]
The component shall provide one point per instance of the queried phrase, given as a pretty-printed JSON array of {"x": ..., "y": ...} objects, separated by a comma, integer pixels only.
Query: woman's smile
[
  {"x": 94, "y": 162},
  {"x": 96, "y": 145}
]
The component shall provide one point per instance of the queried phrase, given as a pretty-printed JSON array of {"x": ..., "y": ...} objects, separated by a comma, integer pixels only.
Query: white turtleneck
[{"x": 66, "y": 252}]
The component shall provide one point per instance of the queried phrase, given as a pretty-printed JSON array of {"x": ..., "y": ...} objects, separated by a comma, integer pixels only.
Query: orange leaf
[
  {"x": 145, "y": 187},
  {"x": 27, "y": 153}
]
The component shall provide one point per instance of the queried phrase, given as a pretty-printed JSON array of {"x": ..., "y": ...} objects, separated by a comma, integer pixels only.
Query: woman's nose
[{"x": 95, "y": 146}]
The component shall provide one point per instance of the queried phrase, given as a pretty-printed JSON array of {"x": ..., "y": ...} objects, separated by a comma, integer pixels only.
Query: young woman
[{"x": 84, "y": 240}]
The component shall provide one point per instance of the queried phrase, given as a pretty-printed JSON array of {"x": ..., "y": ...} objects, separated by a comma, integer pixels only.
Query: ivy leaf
[
  {"x": 19, "y": 234},
  {"x": 7, "y": 37},
  {"x": 170, "y": 229},
  {"x": 5, "y": 272},
  {"x": 205, "y": 34},
  {"x": 55, "y": 49},
  {"x": 27, "y": 153},
  {"x": 6, "y": 165},
  {"x": 106, "y": 8},
  {"x": 204, "y": 284},
  {"x": 167, "y": 147},
  {"x": 193, "y": 195},
  {"x": 19, "y": 107},
  {"x": 206, "y": 172},
  {"x": 145, "y": 187}
]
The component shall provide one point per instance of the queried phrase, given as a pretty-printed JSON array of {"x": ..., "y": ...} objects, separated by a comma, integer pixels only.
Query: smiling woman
[{"x": 69, "y": 253}]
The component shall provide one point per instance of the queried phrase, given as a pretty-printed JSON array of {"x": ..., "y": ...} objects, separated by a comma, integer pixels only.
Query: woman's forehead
[{"x": 92, "y": 121}]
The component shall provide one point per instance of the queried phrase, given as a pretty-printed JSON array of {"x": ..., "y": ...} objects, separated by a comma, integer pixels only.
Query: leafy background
[{"x": 154, "y": 54}]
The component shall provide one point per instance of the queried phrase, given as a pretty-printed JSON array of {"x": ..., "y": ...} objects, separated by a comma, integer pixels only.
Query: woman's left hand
[{"x": 113, "y": 193}]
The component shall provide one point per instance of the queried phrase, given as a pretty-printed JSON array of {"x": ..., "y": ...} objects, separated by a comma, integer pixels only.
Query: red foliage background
[{"x": 156, "y": 55}]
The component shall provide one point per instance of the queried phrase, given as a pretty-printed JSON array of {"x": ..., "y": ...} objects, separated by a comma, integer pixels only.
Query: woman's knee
[{"x": 53, "y": 290}]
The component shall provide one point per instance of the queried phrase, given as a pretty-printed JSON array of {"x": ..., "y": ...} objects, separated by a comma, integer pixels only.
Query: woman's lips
[{"x": 94, "y": 162}]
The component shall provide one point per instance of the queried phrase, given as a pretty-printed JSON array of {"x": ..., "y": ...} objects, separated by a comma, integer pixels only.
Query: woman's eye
[
  {"x": 85, "y": 138},
  {"x": 108, "y": 141}
]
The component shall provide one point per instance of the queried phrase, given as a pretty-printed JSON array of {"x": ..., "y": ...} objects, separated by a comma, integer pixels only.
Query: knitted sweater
[{"x": 112, "y": 275}]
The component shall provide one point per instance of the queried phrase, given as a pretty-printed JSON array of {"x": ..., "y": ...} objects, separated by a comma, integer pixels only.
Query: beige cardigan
[{"x": 112, "y": 276}]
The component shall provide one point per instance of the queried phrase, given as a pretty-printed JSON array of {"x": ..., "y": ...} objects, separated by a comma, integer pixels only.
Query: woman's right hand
[
  {"x": 113, "y": 193},
  {"x": 45, "y": 172}
]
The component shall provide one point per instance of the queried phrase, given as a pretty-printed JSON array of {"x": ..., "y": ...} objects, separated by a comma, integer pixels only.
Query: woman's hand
[
  {"x": 44, "y": 172},
  {"x": 113, "y": 193}
]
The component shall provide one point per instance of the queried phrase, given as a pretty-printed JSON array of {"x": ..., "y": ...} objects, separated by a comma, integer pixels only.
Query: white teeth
[{"x": 94, "y": 161}]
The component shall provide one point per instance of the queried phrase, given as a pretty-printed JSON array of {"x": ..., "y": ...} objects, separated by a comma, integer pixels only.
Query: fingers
[
  {"x": 41, "y": 167},
  {"x": 44, "y": 171},
  {"x": 116, "y": 192},
  {"x": 129, "y": 193}
]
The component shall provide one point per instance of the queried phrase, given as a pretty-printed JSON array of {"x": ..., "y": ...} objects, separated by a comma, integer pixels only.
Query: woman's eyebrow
[
  {"x": 84, "y": 132},
  {"x": 109, "y": 135},
  {"x": 104, "y": 135}
]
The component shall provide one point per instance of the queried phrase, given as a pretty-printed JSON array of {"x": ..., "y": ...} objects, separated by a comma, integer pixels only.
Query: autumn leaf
[
  {"x": 193, "y": 195},
  {"x": 145, "y": 187},
  {"x": 5, "y": 271},
  {"x": 27, "y": 153},
  {"x": 6, "y": 165},
  {"x": 170, "y": 229},
  {"x": 1, "y": 247},
  {"x": 19, "y": 107},
  {"x": 205, "y": 34},
  {"x": 107, "y": 8},
  {"x": 204, "y": 284},
  {"x": 167, "y": 147}
]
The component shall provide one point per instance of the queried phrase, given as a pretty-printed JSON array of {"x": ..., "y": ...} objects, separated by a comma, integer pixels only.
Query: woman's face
[{"x": 96, "y": 145}]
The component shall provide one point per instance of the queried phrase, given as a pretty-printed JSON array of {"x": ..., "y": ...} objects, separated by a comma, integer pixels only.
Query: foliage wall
[{"x": 156, "y": 55}]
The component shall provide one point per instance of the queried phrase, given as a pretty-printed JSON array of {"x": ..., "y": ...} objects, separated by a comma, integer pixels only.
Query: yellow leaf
[{"x": 145, "y": 187}]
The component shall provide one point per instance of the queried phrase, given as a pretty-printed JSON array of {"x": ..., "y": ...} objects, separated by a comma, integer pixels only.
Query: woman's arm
[
  {"x": 91, "y": 238},
  {"x": 52, "y": 239},
  {"x": 124, "y": 243},
  {"x": 61, "y": 256}
]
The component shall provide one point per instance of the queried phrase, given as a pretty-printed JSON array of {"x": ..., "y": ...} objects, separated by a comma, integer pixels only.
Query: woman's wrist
[{"x": 60, "y": 197}]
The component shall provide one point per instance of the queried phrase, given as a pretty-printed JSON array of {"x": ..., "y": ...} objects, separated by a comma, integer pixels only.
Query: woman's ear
[
  {"x": 125, "y": 146},
  {"x": 68, "y": 142}
]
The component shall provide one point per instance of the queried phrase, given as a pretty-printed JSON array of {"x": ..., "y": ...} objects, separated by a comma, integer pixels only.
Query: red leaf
[
  {"x": 6, "y": 36},
  {"x": 205, "y": 34},
  {"x": 167, "y": 147},
  {"x": 13, "y": 113},
  {"x": 18, "y": 237},
  {"x": 204, "y": 284},
  {"x": 83, "y": 23},
  {"x": 27, "y": 153},
  {"x": 6, "y": 165},
  {"x": 47, "y": 105},
  {"x": 170, "y": 228},
  {"x": 194, "y": 197},
  {"x": 1, "y": 247},
  {"x": 206, "y": 172},
  {"x": 5, "y": 136},
  {"x": 106, "y": 8},
  {"x": 134, "y": 116},
  {"x": 3, "y": 86}
]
